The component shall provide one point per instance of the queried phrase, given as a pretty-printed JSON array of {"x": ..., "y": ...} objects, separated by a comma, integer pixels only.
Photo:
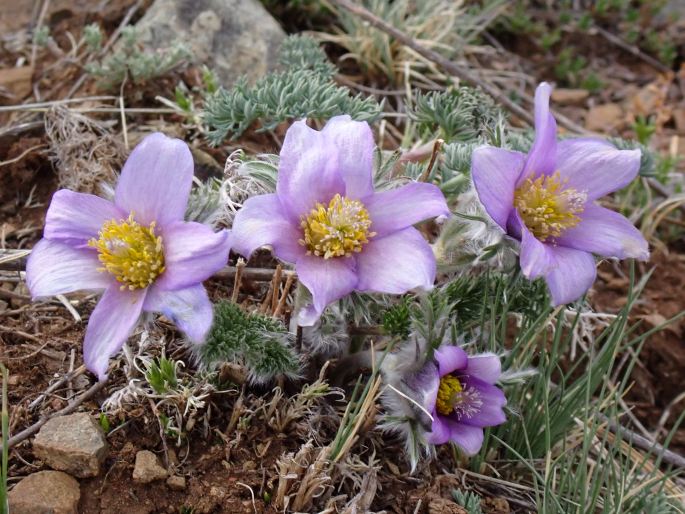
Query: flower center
[
  {"x": 547, "y": 207},
  {"x": 448, "y": 394},
  {"x": 339, "y": 229},
  {"x": 454, "y": 398},
  {"x": 131, "y": 252}
]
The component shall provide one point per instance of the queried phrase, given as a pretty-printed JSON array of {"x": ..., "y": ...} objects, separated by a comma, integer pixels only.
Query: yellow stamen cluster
[
  {"x": 547, "y": 207},
  {"x": 336, "y": 230},
  {"x": 449, "y": 392},
  {"x": 131, "y": 252}
]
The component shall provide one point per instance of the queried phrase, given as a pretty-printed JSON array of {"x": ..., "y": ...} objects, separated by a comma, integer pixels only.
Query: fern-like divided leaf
[
  {"x": 304, "y": 89},
  {"x": 259, "y": 342},
  {"x": 458, "y": 114}
]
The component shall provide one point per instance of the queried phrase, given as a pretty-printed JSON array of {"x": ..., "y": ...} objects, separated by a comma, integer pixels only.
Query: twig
[
  {"x": 22, "y": 155},
  {"x": 28, "y": 432},
  {"x": 66, "y": 378},
  {"x": 239, "y": 267},
  {"x": 284, "y": 296},
  {"x": 644, "y": 444},
  {"x": 277, "y": 287},
  {"x": 631, "y": 49},
  {"x": 451, "y": 67},
  {"x": 434, "y": 155}
]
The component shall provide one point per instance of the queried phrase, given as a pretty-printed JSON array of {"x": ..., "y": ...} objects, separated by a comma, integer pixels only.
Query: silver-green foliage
[
  {"x": 305, "y": 88},
  {"x": 259, "y": 342},
  {"x": 459, "y": 114},
  {"x": 132, "y": 62}
]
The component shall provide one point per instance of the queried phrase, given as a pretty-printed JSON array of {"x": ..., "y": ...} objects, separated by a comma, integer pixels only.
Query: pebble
[
  {"x": 44, "y": 492},
  {"x": 147, "y": 468}
]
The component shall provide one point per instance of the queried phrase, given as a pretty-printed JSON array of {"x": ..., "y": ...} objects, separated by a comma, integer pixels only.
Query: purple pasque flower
[
  {"x": 462, "y": 398},
  {"x": 547, "y": 200},
  {"x": 326, "y": 218},
  {"x": 137, "y": 249}
]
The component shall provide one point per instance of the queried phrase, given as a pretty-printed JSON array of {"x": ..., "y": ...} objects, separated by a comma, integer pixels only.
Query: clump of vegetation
[
  {"x": 305, "y": 89},
  {"x": 262, "y": 344},
  {"x": 130, "y": 61}
]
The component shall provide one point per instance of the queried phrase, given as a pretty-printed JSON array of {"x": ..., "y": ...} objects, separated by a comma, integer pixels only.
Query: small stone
[
  {"x": 147, "y": 468},
  {"x": 564, "y": 96},
  {"x": 73, "y": 443},
  {"x": 176, "y": 483},
  {"x": 13, "y": 380},
  {"x": 603, "y": 118},
  {"x": 51, "y": 492}
]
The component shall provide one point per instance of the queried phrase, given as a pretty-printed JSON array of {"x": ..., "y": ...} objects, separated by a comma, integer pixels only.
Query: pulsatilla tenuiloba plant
[{"x": 412, "y": 276}]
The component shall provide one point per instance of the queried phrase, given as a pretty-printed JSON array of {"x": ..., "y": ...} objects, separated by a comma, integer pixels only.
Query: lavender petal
[
  {"x": 354, "y": 143},
  {"x": 396, "y": 263},
  {"x": 261, "y": 221},
  {"x": 56, "y": 268},
  {"x": 110, "y": 324},
  {"x": 156, "y": 180},
  {"x": 75, "y": 218},
  {"x": 189, "y": 309},
  {"x": 327, "y": 279},
  {"x": 193, "y": 252},
  {"x": 450, "y": 358},
  {"x": 405, "y": 206},
  {"x": 308, "y": 171},
  {"x": 495, "y": 172}
]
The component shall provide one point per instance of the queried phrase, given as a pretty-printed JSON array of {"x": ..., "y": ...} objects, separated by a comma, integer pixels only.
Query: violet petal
[
  {"x": 440, "y": 431},
  {"x": 467, "y": 437},
  {"x": 542, "y": 157},
  {"x": 450, "y": 358},
  {"x": 607, "y": 233},
  {"x": 484, "y": 366},
  {"x": 396, "y": 263},
  {"x": 156, "y": 180},
  {"x": 596, "y": 166},
  {"x": 572, "y": 274}
]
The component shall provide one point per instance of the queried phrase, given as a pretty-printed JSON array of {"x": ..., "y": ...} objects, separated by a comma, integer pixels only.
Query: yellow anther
[
  {"x": 338, "y": 230},
  {"x": 547, "y": 207},
  {"x": 448, "y": 394},
  {"x": 131, "y": 252}
]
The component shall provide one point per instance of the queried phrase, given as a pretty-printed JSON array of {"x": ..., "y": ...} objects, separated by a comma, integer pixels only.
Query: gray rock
[
  {"x": 44, "y": 492},
  {"x": 73, "y": 443},
  {"x": 233, "y": 37},
  {"x": 147, "y": 468}
]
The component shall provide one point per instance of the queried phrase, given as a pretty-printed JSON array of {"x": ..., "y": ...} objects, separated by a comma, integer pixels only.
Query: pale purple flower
[
  {"x": 460, "y": 394},
  {"x": 547, "y": 200},
  {"x": 137, "y": 249},
  {"x": 326, "y": 218}
]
